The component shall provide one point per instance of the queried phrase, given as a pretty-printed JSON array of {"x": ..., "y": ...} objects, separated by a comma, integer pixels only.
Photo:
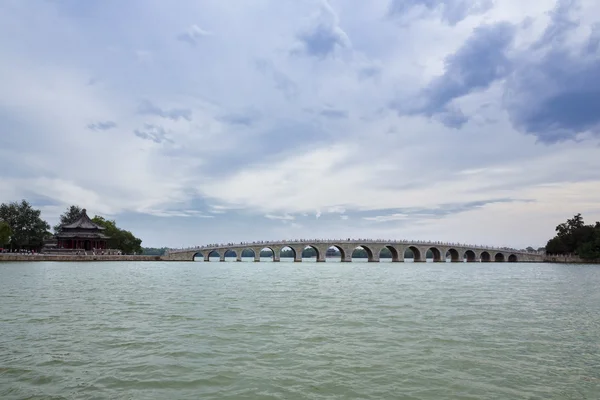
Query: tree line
[
  {"x": 575, "y": 237},
  {"x": 22, "y": 228}
]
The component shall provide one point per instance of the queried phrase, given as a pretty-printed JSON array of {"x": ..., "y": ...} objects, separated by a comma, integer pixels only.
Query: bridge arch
[
  {"x": 413, "y": 252},
  {"x": 229, "y": 253},
  {"x": 356, "y": 252},
  {"x": 329, "y": 256},
  {"x": 248, "y": 253},
  {"x": 485, "y": 256},
  {"x": 309, "y": 249},
  {"x": 212, "y": 254},
  {"x": 436, "y": 253},
  {"x": 470, "y": 256},
  {"x": 512, "y": 258},
  {"x": 198, "y": 256},
  {"x": 285, "y": 252},
  {"x": 266, "y": 249},
  {"x": 499, "y": 257},
  {"x": 454, "y": 255},
  {"x": 392, "y": 250}
]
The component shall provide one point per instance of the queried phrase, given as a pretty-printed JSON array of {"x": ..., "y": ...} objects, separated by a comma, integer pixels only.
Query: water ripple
[{"x": 299, "y": 331}]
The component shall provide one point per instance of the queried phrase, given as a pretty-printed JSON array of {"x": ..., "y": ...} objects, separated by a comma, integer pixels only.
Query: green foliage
[
  {"x": 287, "y": 253},
  {"x": 247, "y": 253},
  {"x": 71, "y": 215},
  {"x": 154, "y": 251},
  {"x": 5, "y": 233},
  {"x": 574, "y": 237},
  {"x": 119, "y": 238},
  {"x": 28, "y": 229}
]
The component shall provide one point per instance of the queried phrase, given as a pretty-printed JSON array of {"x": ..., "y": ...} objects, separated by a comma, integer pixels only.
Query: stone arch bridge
[{"x": 441, "y": 251}]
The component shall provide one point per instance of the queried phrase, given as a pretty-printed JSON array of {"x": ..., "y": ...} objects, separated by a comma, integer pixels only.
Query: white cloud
[
  {"x": 386, "y": 218},
  {"x": 285, "y": 217}
]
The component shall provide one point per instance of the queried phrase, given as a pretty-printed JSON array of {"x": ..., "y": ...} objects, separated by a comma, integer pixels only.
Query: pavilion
[{"x": 82, "y": 234}]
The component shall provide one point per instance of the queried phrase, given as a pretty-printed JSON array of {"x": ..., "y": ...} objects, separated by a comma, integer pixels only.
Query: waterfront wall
[
  {"x": 73, "y": 257},
  {"x": 568, "y": 259}
]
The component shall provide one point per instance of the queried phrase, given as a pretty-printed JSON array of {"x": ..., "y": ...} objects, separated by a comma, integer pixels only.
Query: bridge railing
[{"x": 358, "y": 242}]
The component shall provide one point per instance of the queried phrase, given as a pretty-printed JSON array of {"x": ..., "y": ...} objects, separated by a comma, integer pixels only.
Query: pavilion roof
[
  {"x": 83, "y": 223},
  {"x": 81, "y": 235}
]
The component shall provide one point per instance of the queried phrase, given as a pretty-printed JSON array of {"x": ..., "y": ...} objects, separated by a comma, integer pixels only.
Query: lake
[{"x": 299, "y": 331}]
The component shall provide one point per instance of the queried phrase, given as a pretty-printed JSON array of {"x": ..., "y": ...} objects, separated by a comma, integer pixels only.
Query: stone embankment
[
  {"x": 73, "y": 257},
  {"x": 568, "y": 259}
]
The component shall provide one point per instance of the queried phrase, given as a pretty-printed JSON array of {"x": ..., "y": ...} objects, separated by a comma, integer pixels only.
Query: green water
[{"x": 299, "y": 331}]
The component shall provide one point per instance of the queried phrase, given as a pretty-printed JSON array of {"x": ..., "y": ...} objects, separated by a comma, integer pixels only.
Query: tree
[
  {"x": 5, "y": 233},
  {"x": 154, "y": 251},
  {"x": 574, "y": 237},
  {"x": 119, "y": 238},
  {"x": 28, "y": 229},
  {"x": 71, "y": 215}
]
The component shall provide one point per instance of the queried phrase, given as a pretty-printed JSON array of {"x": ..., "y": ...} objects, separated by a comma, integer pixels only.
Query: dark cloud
[
  {"x": 554, "y": 94},
  {"x": 369, "y": 72},
  {"x": 102, "y": 126},
  {"x": 452, "y": 117},
  {"x": 147, "y": 108},
  {"x": 332, "y": 113},
  {"x": 451, "y": 11},
  {"x": 480, "y": 61},
  {"x": 246, "y": 119},
  {"x": 552, "y": 88},
  {"x": 440, "y": 211},
  {"x": 323, "y": 40},
  {"x": 155, "y": 133}
]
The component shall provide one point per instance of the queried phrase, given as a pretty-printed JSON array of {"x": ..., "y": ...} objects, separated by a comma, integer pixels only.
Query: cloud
[
  {"x": 386, "y": 218},
  {"x": 478, "y": 63},
  {"x": 102, "y": 126},
  {"x": 554, "y": 93},
  {"x": 282, "y": 82},
  {"x": 451, "y": 11},
  {"x": 369, "y": 71},
  {"x": 147, "y": 108},
  {"x": 285, "y": 217},
  {"x": 333, "y": 113},
  {"x": 192, "y": 35},
  {"x": 287, "y": 113},
  {"x": 325, "y": 36},
  {"x": 178, "y": 213},
  {"x": 245, "y": 119},
  {"x": 157, "y": 134}
]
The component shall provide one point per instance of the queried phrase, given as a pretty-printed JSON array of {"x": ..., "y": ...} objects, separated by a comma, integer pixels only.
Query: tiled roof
[
  {"x": 84, "y": 222},
  {"x": 81, "y": 235}
]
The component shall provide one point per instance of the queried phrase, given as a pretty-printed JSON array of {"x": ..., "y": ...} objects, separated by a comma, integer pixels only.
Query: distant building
[
  {"x": 82, "y": 234},
  {"x": 332, "y": 252}
]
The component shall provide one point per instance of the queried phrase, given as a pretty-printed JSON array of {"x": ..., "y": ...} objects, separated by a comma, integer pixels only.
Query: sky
[{"x": 194, "y": 122}]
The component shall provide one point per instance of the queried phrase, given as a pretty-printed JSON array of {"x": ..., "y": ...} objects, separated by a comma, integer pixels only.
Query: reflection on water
[{"x": 227, "y": 330}]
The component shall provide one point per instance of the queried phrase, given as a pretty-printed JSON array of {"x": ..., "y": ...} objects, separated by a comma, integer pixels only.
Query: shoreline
[{"x": 73, "y": 257}]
